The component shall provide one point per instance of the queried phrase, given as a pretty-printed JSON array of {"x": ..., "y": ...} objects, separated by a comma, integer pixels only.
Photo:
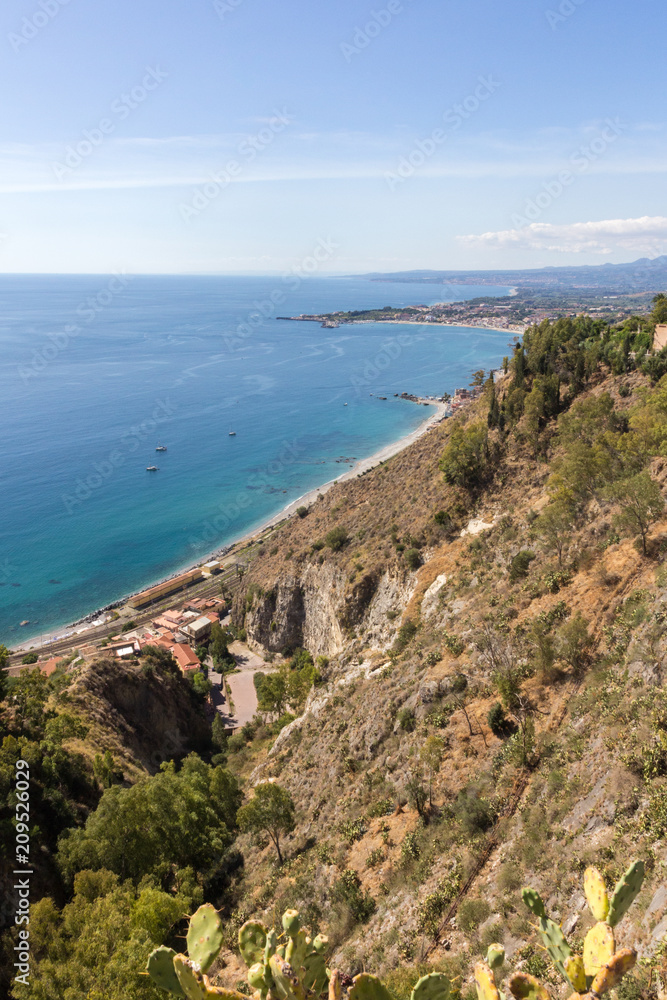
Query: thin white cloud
[{"x": 645, "y": 235}]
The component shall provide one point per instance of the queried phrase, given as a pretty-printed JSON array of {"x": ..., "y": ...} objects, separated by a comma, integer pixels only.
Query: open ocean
[{"x": 96, "y": 371}]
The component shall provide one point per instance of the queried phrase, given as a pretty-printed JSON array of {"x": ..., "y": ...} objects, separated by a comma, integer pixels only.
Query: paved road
[{"x": 241, "y": 687}]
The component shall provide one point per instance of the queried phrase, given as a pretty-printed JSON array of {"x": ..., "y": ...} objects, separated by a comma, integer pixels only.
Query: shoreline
[
  {"x": 226, "y": 551},
  {"x": 481, "y": 325}
]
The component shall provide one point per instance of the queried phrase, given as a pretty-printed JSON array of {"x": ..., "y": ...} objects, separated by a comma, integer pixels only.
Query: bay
[{"x": 96, "y": 371}]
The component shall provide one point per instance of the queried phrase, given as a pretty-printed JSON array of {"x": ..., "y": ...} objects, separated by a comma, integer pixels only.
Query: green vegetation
[{"x": 270, "y": 811}]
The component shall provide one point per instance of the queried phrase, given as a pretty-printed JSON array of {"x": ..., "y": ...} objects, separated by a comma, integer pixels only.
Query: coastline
[{"x": 226, "y": 553}]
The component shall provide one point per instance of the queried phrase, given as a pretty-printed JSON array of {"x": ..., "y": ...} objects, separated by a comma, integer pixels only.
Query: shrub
[
  {"x": 302, "y": 511},
  {"x": 497, "y": 719},
  {"x": 520, "y": 564},
  {"x": 406, "y": 633},
  {"x": 413, "y": 558},
  {"x": 509, "y": 877},
  {"x": 347, "y": 889},
  {"x": 30, "y": 658},
  {"x": 406, "y": 720},
  {"x": 471, "y": 913},
  {"x": 442, "y": 518},
  {"x": 459, "y": 683},
  {"x": 336, "y": 538},
  {"x": 236, "y": 742},
  {"x": 352, "y": 829}
]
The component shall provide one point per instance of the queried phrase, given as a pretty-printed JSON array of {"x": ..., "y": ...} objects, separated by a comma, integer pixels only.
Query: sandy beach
[{"x": 226, "y": 556}]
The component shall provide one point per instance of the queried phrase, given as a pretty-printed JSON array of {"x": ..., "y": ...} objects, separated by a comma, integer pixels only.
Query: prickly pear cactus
[
  {"x": 525, "y": 987},
  {"x": 599, "y": 948},
  {"x": 495, "y": 956},
  {"x": 612, "y": 973},
  {"x": 555, "y": 943},
  {"x": 161, "y": 970},
  {"x": 596, "y": 893},
  {"x": 576, "y": 973},
  {"x": 205, "y": 937},
  {"x": 366, "y": 987},
  {"x": 626, "y": 891},
  {"x": 190, "y": 978},
  {"x": 252, "y": 942},
  {"x": 431, "y": 987},
  {"x": 533, "y": 901},
  {"x": 485, "y": 982}
]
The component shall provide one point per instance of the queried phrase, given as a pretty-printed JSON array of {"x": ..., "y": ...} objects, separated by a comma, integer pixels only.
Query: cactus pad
[
  {"x": 291, "y": 922},
  {"x": 335, "y": 988},
  {"x": 252, "y": 942},
  {"x": 315, "y": 973},
  {"x": 612, "y": 973},
  {"x": 495, "y": 956},
  {"x": 485, "y": 983},
  {"x": 431, "y": 987},
  {"x": 367, "y": 987},
  {"x": 190, "y": 978},
  {"x": 525, "y": 987},
  {"x": 160, "y": 968},
  {"x": 626, "y": 891},
  {"x": 574, "y": 969},
  {"x": 285, "y": 982},
  {"x": 555, "y": 943},
  {"x": 533, "y": 901},
  {"x": 204, "y": 937},
  {"x": 596, "y": 894},
  {"x": 599, "y": 948}
]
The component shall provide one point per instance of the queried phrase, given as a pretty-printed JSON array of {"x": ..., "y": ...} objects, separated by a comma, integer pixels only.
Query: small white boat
[
  {"x": 161, "y": 447},
  {"x": 152, "y": 468},
  {"x": 232, "y": 434}
]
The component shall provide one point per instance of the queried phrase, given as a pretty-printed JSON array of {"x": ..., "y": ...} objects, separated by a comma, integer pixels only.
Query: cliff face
[
  {"x": 143, "y": 718},
  {"x": 321, "y": 612}
]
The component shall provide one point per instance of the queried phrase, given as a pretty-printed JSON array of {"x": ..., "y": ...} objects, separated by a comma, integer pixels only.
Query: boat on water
[
  {"x": 232, "y": 434},
  {"x": 161, "y": 447},
  {"x": 26, "y": 622},
  {"x": 152, "y": 468}
]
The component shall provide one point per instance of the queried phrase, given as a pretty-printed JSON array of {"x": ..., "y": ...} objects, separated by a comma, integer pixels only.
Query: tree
[
  {"x": 431, "y": 755},
  {"x": 163, "y": 823},
  {"x": 201, "y": 684},
  {"x": 270, "y": 810},
  {"x": 271, "y": 694},
  {"x": 464, "y": 459},
  {"x": 641, "y": 503},
  {"x": 218, "y": 647},
  {"x": 478, "y": 378},
  {"x": 554, "y": 525}
]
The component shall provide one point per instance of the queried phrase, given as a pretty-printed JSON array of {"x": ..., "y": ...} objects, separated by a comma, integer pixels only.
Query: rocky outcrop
[
  {"x": 320, "y": 610},
  {"x": 142, "y": 717}
]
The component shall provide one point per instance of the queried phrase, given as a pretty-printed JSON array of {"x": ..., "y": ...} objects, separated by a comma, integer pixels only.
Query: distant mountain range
[{"x": 643, "y": 275}]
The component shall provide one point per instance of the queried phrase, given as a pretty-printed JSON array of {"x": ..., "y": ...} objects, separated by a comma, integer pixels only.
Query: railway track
[{"x": 64, "y": 647}]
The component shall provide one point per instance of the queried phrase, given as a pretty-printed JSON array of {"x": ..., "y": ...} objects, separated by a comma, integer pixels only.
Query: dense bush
[
  {"x": 465, "y": 458},
  {"x": 336, "y": 538},
  {"x": 520, "y": 565}
]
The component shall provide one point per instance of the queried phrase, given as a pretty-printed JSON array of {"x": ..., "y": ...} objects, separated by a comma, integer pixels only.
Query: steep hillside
[{"x": 495, "y": 644}]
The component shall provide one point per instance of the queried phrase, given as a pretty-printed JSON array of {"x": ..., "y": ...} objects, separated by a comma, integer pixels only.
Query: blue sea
[{"x": 97, "y": 371}]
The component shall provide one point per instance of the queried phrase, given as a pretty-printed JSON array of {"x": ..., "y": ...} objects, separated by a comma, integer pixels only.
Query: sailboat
[
  {"x": 161, "y": 447},
  {"x": 232, "y": 434}
]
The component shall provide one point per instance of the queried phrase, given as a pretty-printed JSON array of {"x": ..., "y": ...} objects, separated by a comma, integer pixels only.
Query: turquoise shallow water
[{"x": 96, "y": 371}]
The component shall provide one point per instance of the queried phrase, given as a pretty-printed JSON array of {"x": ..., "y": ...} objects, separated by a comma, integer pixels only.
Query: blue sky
[{"x": 233, "y": 135}]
